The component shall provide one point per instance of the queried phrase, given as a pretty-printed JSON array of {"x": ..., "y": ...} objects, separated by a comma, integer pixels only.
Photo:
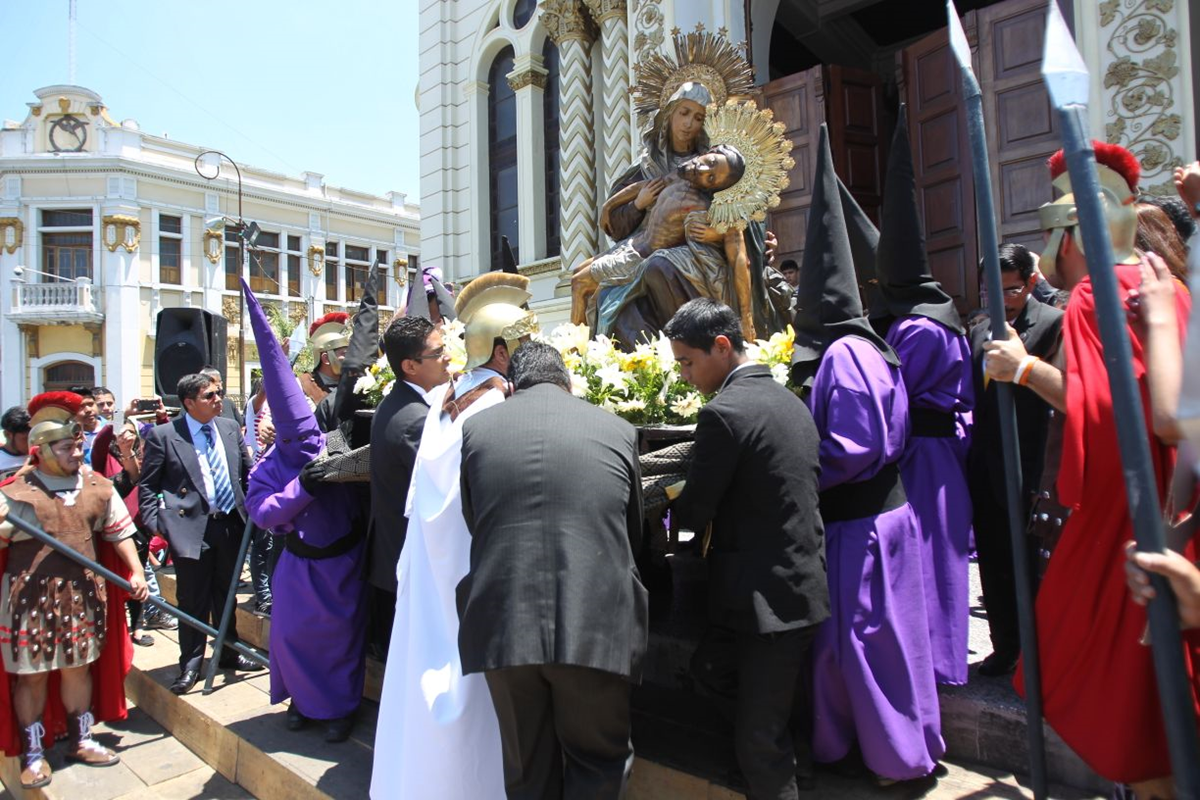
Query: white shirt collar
[
  {"x": 743, "y": 365},
  {"x": 424, "y": 395}
]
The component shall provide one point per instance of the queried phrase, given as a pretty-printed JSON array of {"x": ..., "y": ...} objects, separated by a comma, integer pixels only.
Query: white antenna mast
[{"x": 71, "y": 44}]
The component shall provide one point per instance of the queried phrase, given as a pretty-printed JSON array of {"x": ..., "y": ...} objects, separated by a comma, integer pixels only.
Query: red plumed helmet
[
  {"x": 1113, "y": 156},
  {"x": 68, "y": 401},
  {"x": 339, "y": 317}
]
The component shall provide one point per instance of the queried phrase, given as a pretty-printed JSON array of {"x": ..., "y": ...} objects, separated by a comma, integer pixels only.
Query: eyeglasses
[
  {"x": 212, "y": 394},
  {"x": 1013, "y": 291},
  {"x": 436, "y": 354}
]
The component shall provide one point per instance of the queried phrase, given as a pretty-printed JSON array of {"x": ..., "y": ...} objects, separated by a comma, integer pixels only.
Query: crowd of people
[{"x": 485, "y": 544}]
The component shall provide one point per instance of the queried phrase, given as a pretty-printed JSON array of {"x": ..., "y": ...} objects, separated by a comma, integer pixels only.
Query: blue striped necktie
[{"x": 222, "y": 489}]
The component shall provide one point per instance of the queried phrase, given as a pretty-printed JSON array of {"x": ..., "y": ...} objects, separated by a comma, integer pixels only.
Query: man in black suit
[
  {"x": 192, "y": 492},
  {"x": 419, "y": 360},
  {"x": 553, "y": 610},
  {"x": 1039, "y": 327},
  {"x": 753, "y": 476}
]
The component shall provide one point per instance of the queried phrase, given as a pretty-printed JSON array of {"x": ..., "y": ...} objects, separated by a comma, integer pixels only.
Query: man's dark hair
[
  {"x": 1016, "y": 258},
  {"x": 15, "y": 420},
  {"x": 99, "y": 390},
  {"x": 405, "y": 338},
  {"x": 737, "y": 163},
  {"x": 82, "y": 391},
  {"x": 789, "y": 263},
  {"x": 190, "y": 386},
  {"x": 699, "y": 322},
  {"x": 538, "y": 362},
  {"x": 1175, "y": 209}
]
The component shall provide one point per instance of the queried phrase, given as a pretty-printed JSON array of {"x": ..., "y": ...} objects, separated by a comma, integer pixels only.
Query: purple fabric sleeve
[
  {"x": 273, "y": 509},
  {"x": 936, "y": 364}
]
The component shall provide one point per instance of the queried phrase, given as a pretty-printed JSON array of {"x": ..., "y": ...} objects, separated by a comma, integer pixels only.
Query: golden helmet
[
  {"x": 491, "y": 307},
  {"x": 331, "y": 332},
  {"x": 52, "y": 417},
  {"x": 1119, "y": 172}
]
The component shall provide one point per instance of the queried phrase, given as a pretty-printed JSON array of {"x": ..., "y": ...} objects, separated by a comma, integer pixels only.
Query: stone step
[
  {"x": 154, "y": 765},
  {"x": 683, "y": 744}
]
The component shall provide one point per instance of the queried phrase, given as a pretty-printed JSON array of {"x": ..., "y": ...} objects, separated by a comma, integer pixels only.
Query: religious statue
[{"x": 630, "y": 291}]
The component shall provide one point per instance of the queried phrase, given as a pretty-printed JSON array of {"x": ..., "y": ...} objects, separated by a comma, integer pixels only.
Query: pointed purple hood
[{"x": 298, "y": 440}]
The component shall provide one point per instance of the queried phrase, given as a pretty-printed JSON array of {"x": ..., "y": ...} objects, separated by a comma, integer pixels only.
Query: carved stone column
[
  {"x": 528, "y": 81},
  {"x": 614, "y": 44},
  {"x": 568, "y": 26}
]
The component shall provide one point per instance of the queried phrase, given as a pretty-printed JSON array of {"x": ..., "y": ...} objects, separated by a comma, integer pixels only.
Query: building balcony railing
[{"x": 63, "y": 303}]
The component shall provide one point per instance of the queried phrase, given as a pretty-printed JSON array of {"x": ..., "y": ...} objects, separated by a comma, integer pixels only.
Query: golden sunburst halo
[
  {"x": 700, "y": 57},
  {"x": 761, "y": 141}
]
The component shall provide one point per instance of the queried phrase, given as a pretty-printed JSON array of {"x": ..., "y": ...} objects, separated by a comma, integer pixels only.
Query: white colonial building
[
  {"x": 103, "y": 225},
  {"x": 526, "y": 119}
]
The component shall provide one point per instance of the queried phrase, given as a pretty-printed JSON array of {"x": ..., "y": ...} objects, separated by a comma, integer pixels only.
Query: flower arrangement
[{"x": 643, "y": 387}]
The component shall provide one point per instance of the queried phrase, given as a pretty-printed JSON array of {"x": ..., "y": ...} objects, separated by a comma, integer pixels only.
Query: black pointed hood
[
  {"x": 422, "y": 285},
  {"x": 827, "y": 301},
  {"x": 906, "y": 283},
  {"x": 864, "y": 241},
  {"x": 361, "y": 352},
  {"x": 509, "y": 263}
]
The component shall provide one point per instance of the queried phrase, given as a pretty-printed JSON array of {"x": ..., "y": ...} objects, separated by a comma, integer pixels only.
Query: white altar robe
[{"x": 437, "y": 736}]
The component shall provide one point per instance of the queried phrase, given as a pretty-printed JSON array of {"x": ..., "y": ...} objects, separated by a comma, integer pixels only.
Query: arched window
[
  {"x": 523, "y": 12},
  {"x": 62, "y": 376},
  {"x": 550, "y": 115},
  {"x": 502, "y": 157}
]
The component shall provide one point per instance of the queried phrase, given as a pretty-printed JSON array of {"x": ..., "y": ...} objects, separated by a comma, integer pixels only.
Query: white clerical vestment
[{"x": 437, "y": 737}]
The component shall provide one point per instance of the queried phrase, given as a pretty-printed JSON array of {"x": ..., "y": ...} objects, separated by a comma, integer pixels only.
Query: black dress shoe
[
  {"x": 998, "y": 664},
  {"x": 186, "y": 680},
  {"x": 338, "y": 730},
  {"x": 240, "y": 662},
  {"x": 295, "y": 720}
]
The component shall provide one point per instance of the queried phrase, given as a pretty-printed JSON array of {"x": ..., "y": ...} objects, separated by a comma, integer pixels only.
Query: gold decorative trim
[
  {"x": 700, "y": 57},
  {"x": 297, "y": 312},
  {"x": 1141, "y": 84},
  {"x": 213, "y": 245},
  {"x": 316, "y": 260},
  {"x": 400, "y": 271},
  {"x": 122, "y": 230},
  {"x": 231, "y": 307},
  {"x": 36, "y": 110},
  {"x": 12, "y": 234},
  {"x": 605, "y": 9},
  {"x": 529, "y": 77},
  {"x": 565, "y": 21},
  {"x": 64, "y": 105},
  {"x": 648, "y": 23}
]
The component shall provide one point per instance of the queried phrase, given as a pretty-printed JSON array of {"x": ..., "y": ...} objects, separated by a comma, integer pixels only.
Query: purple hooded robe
[
  {"x": 936, "y": 365},
  {"x": 318, "y": 624},
  {"x": 873, "y": 677}
]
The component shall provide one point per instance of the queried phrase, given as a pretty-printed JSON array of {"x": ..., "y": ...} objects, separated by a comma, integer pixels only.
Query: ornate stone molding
[
  {"x": 12, "y": 234},
  {"x": 400, "y": 271},
  {"x": 1142, "y": 87},
  {"x": 577, "y": 146},
  {"x": 316, "y": 260},
  {"x": 231, "y": 307},
  {"x": 565, "y": 21},
  {"x": 213, "y": 244},
  {"x": 603, "y": 10},
  {"x": 122, "y": 230},
  {"x": 648, "y": 24},
  {"x": 530, "y": 77}
]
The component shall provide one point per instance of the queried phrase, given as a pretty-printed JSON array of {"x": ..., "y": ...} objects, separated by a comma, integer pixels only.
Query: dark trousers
[
  {"x": 381, "y": 614},
  {"x": 757, "y": 679},
  {"x": 263, "y": 555},
  {"x": 136, "y": 607},
  {"x": 993, "y": 543},
  {"x": 564, "y": 731},
  {"x": 202, "y": 584}
]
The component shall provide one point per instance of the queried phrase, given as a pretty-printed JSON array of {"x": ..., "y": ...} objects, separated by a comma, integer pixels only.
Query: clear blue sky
[{"x": 289, "y": 85}]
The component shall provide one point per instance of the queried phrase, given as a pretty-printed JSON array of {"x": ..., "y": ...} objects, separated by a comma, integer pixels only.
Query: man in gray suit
[
  {"x": 192, "y": 493},
  {"x": 553, "y": 611},
  {"x": 419, "y": 359}
]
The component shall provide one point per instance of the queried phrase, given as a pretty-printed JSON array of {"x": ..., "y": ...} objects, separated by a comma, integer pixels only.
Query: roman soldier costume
[
  {"x": 53, "y": 611},
  {"x": 328, "y": 334}
]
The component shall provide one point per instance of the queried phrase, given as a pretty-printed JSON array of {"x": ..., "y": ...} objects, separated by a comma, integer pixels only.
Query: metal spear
[
  {"x": 1068, "y": 80},
  {"x": 121, "y": 583},
  {"x": 989, "y": 243}
]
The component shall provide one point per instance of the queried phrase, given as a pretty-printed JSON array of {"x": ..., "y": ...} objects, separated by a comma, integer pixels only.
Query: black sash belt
[
  {"x": 927, "y": 422},
  {"x": 875, "y": 495},
  {"x": 296, "y": 546}
]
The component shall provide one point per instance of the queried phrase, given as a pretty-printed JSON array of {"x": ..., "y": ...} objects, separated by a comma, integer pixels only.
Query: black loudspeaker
[{"x": 186, "y": 340}]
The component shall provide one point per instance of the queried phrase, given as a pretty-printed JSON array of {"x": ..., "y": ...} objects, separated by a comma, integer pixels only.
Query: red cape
[
  {"x": 108, "y": 671},
  {"x": 1098, "y": 684}
]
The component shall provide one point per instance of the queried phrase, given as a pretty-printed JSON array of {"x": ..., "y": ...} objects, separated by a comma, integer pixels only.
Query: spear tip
[{"x": 1063, "y": 68}]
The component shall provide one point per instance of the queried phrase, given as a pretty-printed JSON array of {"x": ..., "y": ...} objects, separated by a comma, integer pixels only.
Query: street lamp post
[{"x": 241, "y": 258}]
